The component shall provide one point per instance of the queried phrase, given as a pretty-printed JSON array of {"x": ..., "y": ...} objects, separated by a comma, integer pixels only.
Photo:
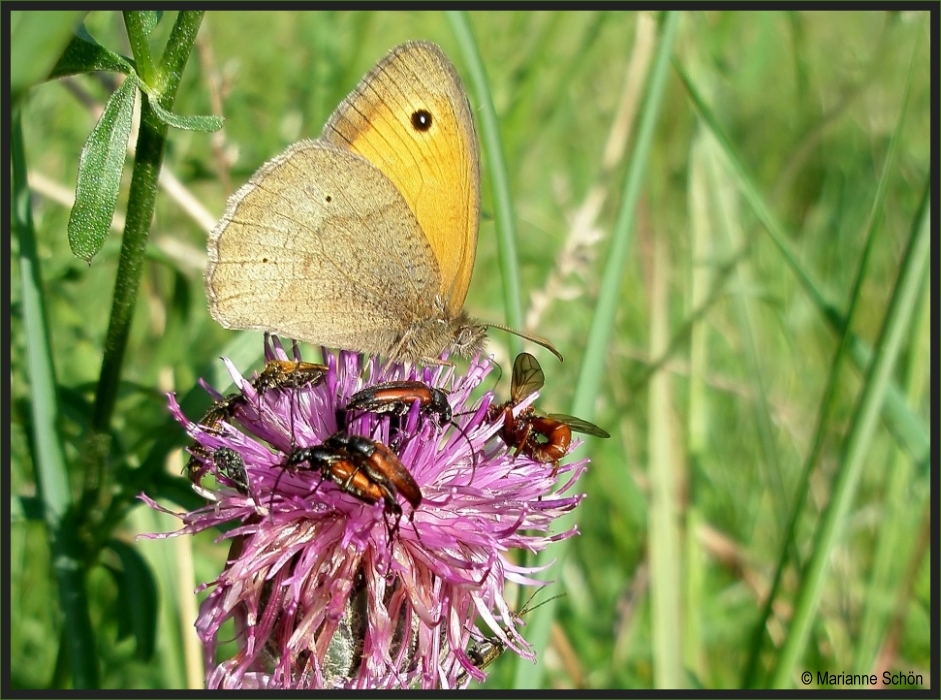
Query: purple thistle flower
[{"x": 327, "y": 589}]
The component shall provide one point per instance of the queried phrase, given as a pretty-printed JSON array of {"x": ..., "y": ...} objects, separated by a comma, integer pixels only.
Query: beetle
[
  {"x": 277, "y": 374},
  {"x": 362, "y": 467},
  {"x": 398, "y": 397}
]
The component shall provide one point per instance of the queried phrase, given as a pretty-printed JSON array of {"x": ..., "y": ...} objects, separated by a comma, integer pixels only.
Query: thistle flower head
[{"x": 335, "y": 577}]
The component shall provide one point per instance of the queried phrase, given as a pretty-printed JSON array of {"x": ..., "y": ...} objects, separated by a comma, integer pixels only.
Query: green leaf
[
  {"x": 27, "y": 508},
  {"x": 99, "y": 173},
  {"x": 137, "y": 598},
  {"x": 36, "y": 42},
  {"x": 85, "y": 55},
  {"x": 207, "y": 123},
  {"x": 150, "y": 19}
]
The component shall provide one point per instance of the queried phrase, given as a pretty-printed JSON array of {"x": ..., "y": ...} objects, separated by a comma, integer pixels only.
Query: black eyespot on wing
[{"x": 421, "y": 120}]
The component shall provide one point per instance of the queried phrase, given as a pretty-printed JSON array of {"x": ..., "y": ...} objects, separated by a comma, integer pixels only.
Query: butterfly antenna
[{"x": 539, "y": 340}]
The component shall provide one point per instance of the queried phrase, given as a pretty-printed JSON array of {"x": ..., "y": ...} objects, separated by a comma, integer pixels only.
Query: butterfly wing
[
  {"x": 410, "y": 118},
  {"x": 297, "y": 253}
]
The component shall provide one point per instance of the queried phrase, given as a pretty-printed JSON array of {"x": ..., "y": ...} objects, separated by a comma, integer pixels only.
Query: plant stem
[{"x": 151, "y": 142}]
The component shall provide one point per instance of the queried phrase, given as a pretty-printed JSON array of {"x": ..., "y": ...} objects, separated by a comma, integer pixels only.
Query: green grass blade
[
  {"x": 599, "y": 337},
  {"x": 897, "y": 414},
  {"x": 894, "y": 333},
  {"x": 664, "y": 536},
  {"x": 747, "y": 318},
  {"x": 811, "y": 463},
  {"x": 37, "y": 40},
  {"x": 907, "y": 499},
  {"x": 592, "y": 369},
  {"x": 497, "y": 174},
  {"x": 49, "y": 456}
]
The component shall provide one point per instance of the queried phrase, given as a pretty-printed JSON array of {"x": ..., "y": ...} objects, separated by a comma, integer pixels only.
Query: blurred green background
[{"x": 809, "y": 103}]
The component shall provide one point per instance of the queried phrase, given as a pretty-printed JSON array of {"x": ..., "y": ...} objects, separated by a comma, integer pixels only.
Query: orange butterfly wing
[{"x": 410, "y": 118}]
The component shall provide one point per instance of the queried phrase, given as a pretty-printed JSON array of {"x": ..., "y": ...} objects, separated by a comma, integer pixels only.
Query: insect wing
[
  {"x": 580, "y": 426},
  {"x": 528, "y": 377}
]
